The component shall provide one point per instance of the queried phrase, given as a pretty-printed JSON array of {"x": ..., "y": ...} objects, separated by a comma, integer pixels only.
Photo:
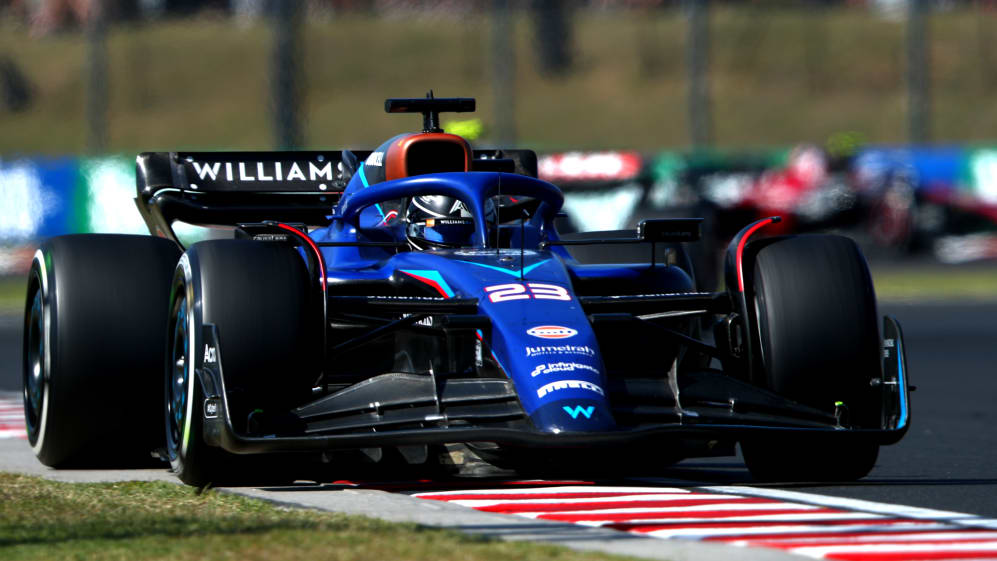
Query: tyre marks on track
[
  {"x": 802, "y": 524},
  {"x": 12, "y": 418}
]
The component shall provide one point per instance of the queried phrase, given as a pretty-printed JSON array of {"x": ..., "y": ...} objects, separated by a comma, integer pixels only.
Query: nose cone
[{"x": 540, "y": 336}]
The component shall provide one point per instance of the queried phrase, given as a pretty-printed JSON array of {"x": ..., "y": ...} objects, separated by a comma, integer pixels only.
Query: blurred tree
[
  {"x": 96, "y": 78},
  {"x": 285, "y": 73},
  {"x": 503, "y": 58},
  {"x": 552, "y": 29},
  {"x": 697, "y": 52},
  {"x": 918, "y": 74},
  {"x": 15, "y": 90},
  {"x": 650, "y": 55},
  {"x": 815, "y": 43}
]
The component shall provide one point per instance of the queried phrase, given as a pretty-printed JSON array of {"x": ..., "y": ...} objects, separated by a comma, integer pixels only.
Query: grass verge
[
  {"x": 41, "y": 519},
  {"x": 936, "y": 282},
  {"x": 12, "y": 294}
]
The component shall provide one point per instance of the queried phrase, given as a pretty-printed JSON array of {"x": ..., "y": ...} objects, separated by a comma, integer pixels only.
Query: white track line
[
  {"x": 721, "y": 532},
  {"x": 955, "y": 548},
  {"x": 13, "y": 433},
  {"x": 566, "y": 489},
  {"x": 860, "y": 505},
  {"x": 480, "y": 503},
  {"x": 884, "y": 537},
  {"x": 755, "y": 518}
]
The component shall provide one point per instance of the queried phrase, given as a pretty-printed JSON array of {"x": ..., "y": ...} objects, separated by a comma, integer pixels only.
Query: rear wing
[{"x": 229, "y": 188}]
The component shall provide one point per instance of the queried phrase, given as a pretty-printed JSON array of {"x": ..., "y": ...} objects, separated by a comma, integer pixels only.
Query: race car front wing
[{"x": 398, "y": 409}]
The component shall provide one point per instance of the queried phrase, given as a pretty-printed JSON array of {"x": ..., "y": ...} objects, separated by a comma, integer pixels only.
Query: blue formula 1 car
[{"x": 393, "y": 302}]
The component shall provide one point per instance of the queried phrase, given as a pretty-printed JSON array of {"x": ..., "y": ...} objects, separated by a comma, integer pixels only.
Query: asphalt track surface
[{"x": 947, "y": 462}]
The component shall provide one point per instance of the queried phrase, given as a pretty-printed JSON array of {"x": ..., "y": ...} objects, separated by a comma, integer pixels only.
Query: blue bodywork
[{"x": 540, "y": 337}]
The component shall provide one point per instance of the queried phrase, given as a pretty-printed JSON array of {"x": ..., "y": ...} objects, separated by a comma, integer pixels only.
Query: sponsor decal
[
  {"x": 569, "y": 384},
  {"x": 210, "y": 355},
  {"x": 581, "y": 350},
  {"x": 263, "y": 171},
  {"x": 561, "y": 367},
  {"x": 271, "y": 237},
  {"x": 579, "y": 410},
  {"x": 551, "y": 332},
  {"x": 492, "y": 252},
  {"x": 425, "y": 322},
  {"x": 431, "y": 205},
  {"x": 536, "y": 290},
  {"x": 654, "y": 295},
  {"x": 449, "y": 221},
  {"x": 375, "y": 159},
  {"x": 210, "y": 408}
]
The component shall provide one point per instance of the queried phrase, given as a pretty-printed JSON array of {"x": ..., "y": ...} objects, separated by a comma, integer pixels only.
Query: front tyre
[
  {"x": 819, "y": 344},
  {"x": 268, "y": 318}
]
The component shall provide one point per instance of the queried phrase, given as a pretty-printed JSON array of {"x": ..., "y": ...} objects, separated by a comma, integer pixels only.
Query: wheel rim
[
  {"x": 34, "y": 367},
  {"x": 178, "y": 380}
]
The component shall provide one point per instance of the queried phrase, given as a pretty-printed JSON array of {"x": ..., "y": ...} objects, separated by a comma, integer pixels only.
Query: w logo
[{"x": 579, "y": 410}]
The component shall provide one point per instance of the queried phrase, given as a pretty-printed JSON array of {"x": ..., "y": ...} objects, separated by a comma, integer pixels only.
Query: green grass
[
  {"x": 936, "y": 283},
  {"x": 778, "y": 77},
  {"x": 12, "y": 294},
  {"x": 42, "y": 519}
]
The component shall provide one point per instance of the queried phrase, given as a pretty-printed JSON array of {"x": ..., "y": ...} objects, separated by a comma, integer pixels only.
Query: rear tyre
[
  {"x": 819, "y": 345},
  {"x": 93, "y": 344},
  {"x": 259, "y": 297}
]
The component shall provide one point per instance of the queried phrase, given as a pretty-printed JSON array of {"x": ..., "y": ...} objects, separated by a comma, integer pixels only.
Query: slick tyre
[
  {"x": 259, "y": 298},
  {"x": 94, "y": 326},
  {"x": 818, "y": 343}
]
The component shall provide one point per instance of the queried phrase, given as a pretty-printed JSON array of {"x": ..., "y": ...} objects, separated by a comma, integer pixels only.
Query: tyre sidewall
[
  {"x": 186, "y": 451},
  {"x": 259, "y": 332}
]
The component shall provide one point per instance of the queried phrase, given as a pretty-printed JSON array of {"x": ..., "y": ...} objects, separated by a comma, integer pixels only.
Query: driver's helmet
[{"x": 439, "y": 222}]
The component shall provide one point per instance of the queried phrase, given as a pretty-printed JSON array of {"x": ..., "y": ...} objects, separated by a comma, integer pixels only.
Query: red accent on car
[
  {"x": 391, "y": 215},
  {"x": 428, "y": 152},
  {"x": 740, "y": 248},
  {"x": 311, "y": 244},
  {"x": 430, "y": 282}
]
